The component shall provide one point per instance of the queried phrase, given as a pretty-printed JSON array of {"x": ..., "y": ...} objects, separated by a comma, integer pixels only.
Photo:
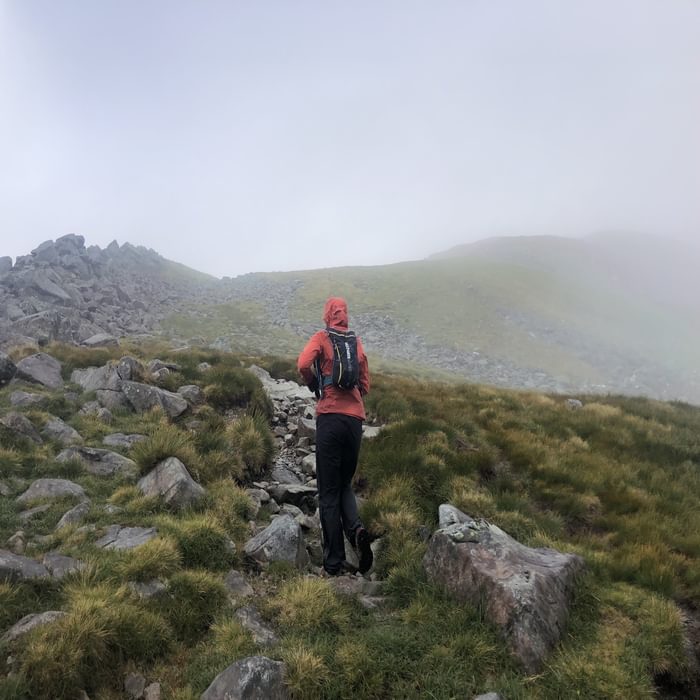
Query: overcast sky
[{"x": 247, "y": 136}]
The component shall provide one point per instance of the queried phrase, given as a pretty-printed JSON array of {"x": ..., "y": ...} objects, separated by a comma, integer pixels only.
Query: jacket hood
[{"x": 335, "y": 313}]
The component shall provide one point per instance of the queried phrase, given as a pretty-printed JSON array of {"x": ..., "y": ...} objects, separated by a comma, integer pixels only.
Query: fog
[{"x": 239, "y": 136}]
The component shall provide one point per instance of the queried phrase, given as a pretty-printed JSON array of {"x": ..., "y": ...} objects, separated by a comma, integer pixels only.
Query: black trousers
[{"x": 338, "y": 440}]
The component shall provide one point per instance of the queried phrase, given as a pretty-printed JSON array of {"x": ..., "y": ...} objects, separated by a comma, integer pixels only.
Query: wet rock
[{"x": 252, "y": 678}]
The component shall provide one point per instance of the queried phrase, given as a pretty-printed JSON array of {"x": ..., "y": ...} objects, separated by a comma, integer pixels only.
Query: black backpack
[{"x": 346, "y": 365}]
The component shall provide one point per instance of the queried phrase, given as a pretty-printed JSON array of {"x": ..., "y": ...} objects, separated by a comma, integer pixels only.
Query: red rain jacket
[{"x": 335, "y": 400}]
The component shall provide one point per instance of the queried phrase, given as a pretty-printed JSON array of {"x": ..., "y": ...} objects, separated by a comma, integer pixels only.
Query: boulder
[
  {"x": 101, "y": 340},
  {"x": 22, "y": 399},
  {"x": 28, "y": 623},
  {"x": 17, "y": 542},
  {"x": 51, "y": 489},
  {"x": 237, "y": 585},
  {"x": 297, "y": 494},
  {"x": 60, "y": 565},
  {"x": 144, "y": 397},
  {"x": 14, "y": 568},
  {"x": 281, "y": 540},
  {"x": 129, "y": 368},
  {"x": 121, "y": 440},
  {"x": 112, "y": 400},
  {"x": 120, "y": 537},
  {"x": 56, "y": 429},
  {"x": 21, "y": 426},
  {"x": 99, "y": 462},
  {"x": 134, "y": 685},
  {"x": 262, "y": 633},
  {"x": 306, "y": 428},
  {"x": 252, "y": 678},
  {"x": 96, "y": 378},
  {"x": 74, "y": 516},
  {"x": 524, "y": 591},
  {"x": 308, "y": 465},
  {"x": 171, "y": 482},
  {"x": 8, "y": 369},
  {"x": 41, "y": 369},
  {"x": 191, "y": 393}
]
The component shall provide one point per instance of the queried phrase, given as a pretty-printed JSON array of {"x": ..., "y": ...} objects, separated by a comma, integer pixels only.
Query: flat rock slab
[
  {"x": 30, "y": 622},
  {"x": 51, "y": 489},
  {"x": 119, "y": 537},
  {"x": 41, "y": 369},
  {"x": 60, "y": 565},
  {"x": 56, "y": 429},
  {"x": 121, "y": 440},
  {"x": 144, "y": 397},
  {"x": 171, "y": 482},
  {"x": 281, "y": 472},
  {"x": 252, "y": 678},
  {"x": 14, "y": 567},
  {"x": 262, "y": 633},
  {"x": 101, "y": 340},
  {"x": 281, "y": 540},
  {"x": 526, "y": 592},
  {"x": 97, "y": 461}
]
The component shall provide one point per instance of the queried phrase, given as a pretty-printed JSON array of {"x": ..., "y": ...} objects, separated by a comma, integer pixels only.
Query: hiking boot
[{"x": 363, "y": 549}]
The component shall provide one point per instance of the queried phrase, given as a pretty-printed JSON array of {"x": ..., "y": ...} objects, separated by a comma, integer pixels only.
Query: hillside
[
  {"x": 610, "y": 313},
  {"x": 166, "y": 589}
]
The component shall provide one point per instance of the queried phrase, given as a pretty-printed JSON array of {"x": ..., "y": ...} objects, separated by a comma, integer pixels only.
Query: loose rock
[
  {"x": 252, "y": 678},
  {"x": 171, "y": 481},
  {"x": 41, "y": 369},
  {"x": 282, "y": 540},
  {"x": 51, "y": 489}
]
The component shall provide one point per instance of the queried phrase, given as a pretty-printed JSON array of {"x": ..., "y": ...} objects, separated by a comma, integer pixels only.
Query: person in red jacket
[{"x": 339, "y": 416}]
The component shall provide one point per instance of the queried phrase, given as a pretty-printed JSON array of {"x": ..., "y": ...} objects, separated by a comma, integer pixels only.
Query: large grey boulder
[
  {"x": 28, "y": 623},
  {"x": 112, "y": 400},
  {"x": 74, "y": 516},
  {"x": 8, "y": 369},
  {"x": 252, "y": 678},
  {"x": 191, "y": 393},
  {"x": 20, "y": 425},
  {"x": 306, "y": 428},
  {"x": 120, "y": 537},
  {"x": 41, "y": 369},
  {"x": 171, "y": 482},
  {"x": 525, "y": 592},
  {"x": 144, "y": 397},
  {"x": 99, "y": 462},
  {"x": 129, "y": 368},
  {"x": 15, "y": 568},
  {"x": 56, "y": 429},
  {"x": 281, "y": 540},
  {"x": 95, "y": 378},
  {"x": 51, "y": 489}
]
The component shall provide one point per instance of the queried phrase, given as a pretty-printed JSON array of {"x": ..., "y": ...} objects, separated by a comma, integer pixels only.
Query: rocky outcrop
[
  {"x": 250, "y": 678},
  {"x": 171, "y": 482},
  {"x": 525, "y": 592},
  {"x": 56, "y": 429},
  {"x": 144, "y": 397},
  {"x": 21, "y": 426},
  {"x": 14, "y": 568}
]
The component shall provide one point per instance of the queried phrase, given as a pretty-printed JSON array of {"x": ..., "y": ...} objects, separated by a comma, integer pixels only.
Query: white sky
[{"x": 245, "y": 136}]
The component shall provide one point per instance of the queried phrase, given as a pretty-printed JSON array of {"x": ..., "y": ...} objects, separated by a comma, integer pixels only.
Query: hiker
[{"x": 334, "y": 365}]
